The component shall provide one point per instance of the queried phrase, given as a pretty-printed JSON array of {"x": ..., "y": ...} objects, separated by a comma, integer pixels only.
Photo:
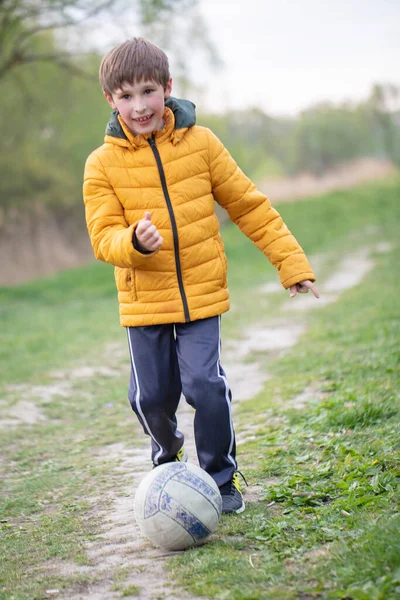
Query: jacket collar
[{"x": 178, "y": 116}]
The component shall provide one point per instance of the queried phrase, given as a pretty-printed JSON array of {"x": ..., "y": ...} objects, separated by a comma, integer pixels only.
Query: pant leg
[
  {"x": 155, "y": 387},
  {"x": 205, "y": 387}
]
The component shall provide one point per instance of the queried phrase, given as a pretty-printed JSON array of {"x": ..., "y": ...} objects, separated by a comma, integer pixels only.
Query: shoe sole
[
  {"x": 236, "y": 512},
  {"x": 241, "y": 509}
]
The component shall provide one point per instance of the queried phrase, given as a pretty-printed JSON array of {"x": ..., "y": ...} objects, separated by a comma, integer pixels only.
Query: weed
[{"x": 131, "y": 590}]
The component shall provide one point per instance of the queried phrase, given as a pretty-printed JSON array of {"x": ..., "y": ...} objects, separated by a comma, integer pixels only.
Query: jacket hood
[{"x": 184, "y": 113}]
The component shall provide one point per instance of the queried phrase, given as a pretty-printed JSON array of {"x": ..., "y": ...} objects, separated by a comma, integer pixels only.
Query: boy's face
[{"x": 141, "y": 105}]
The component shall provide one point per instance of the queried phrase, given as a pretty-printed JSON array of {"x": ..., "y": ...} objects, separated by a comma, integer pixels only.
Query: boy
[{"x": 149, "y": 196}]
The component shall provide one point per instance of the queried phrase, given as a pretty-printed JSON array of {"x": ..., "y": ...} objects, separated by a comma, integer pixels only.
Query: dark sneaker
[
  {"x": 180, "y": 457},
  {"x": 232, "y": 499}
]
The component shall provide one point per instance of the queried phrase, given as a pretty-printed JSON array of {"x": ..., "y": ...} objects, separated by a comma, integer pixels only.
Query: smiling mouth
[{"x": 143, "y": 119}]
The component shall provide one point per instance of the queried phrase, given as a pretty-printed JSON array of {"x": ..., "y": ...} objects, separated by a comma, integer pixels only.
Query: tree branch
[
  {"x": 61, "y": 60},
  {"x": 68, "y": 22}
]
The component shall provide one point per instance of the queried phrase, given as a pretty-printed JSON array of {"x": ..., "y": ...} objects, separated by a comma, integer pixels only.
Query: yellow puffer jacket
[{"x": 176, "y": 176}]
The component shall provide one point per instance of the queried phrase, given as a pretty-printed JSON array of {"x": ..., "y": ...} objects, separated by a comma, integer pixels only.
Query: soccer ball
[{"x": 177, "y": 505}]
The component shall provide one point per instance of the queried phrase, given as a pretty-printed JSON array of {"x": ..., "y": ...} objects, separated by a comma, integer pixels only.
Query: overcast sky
[{"x": 284, "y": 55}]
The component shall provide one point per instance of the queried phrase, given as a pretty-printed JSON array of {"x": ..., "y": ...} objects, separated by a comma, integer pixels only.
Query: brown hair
[{"x": 134, "y": 60}]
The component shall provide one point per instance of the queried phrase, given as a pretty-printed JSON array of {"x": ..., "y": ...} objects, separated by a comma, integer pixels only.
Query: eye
[
  {"x": 148, "y": 91},
  {"x": 126, "y": 97}
]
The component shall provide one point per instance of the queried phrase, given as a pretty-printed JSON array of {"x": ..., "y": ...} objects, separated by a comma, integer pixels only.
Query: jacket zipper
[{"x": 160, "y": 167}]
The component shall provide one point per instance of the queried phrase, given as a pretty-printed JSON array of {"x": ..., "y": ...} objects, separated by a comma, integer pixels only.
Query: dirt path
[
  {"x": 342, "y": 177},
  {"x": 120, "y": 544}
]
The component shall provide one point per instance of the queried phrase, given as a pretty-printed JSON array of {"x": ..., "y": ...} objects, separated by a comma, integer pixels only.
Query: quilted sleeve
[
  {"x": 110, "y": 234},
  {"x": 253, "y": 214}
]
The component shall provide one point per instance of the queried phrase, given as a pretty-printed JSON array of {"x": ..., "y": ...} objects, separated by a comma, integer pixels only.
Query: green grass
[
  {"x": 326, "y": 524},
  {"x": 50, "y": 323}
]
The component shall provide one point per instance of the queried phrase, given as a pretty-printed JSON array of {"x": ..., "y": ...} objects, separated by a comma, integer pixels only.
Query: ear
[
  {"x": 168, "y": 89},
  {"x": 110, "y": 100}
]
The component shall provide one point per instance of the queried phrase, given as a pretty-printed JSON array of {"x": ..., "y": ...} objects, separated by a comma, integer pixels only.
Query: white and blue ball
[{"x": 177, "y": 505}]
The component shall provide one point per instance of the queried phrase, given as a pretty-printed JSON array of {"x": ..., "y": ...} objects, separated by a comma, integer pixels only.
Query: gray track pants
[{"x": 168, "y": 360}]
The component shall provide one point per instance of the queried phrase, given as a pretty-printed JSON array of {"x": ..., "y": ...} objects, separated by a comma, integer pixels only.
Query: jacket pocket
[
  {"x": 133, "y": 285},
  {"x": 223, "y": 260},
  {"x": 125, "y": 280}
]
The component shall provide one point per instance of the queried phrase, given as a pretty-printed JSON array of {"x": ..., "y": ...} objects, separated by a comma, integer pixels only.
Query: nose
[{"x": 139, "y": 106}]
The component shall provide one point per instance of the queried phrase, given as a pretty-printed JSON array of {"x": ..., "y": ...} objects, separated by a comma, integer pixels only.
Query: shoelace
[
  {"x": 243, "y": 477},
  {"x": 230, "y": 486}
]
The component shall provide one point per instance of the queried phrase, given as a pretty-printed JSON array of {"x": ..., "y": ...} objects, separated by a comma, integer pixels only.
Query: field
[{"x": 319, "y": 434}]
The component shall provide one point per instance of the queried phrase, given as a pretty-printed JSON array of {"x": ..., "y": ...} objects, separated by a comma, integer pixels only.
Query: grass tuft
[{"x": 360, "y": 414}]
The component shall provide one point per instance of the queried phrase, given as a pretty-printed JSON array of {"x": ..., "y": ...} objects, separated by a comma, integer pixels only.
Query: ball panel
[
  {"x": 154, "y": 493},
  {"x": 145, "y": 485},
  {"x": 192, "y": 480},
  {"x": 193, "y": 503},
  {"x": 178, "y": 513},
  {"x": 165, "y": 532}
]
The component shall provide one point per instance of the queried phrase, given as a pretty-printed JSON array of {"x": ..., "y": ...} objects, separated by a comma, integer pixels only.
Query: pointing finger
[{"x": 313, "y": 289}]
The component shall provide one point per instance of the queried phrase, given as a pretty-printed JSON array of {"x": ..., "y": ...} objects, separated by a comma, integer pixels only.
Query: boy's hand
[
  {"x": 302, "y": 288},
  {"x": 147, "y": 234}
]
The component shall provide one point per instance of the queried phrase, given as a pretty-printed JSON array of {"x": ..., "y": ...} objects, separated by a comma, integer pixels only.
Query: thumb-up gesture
[{"x": 147, "y": 234}]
